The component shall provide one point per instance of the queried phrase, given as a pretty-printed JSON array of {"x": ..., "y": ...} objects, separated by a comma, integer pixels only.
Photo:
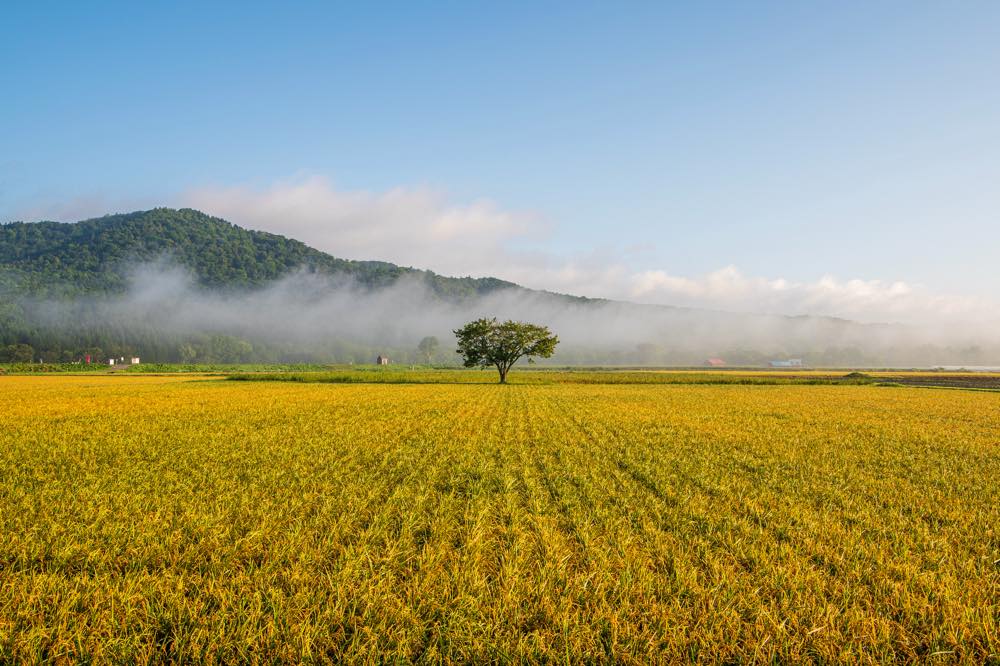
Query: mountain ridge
[
  {"x": 138, "y": 237},
  {"x": 94, "y": 255},
  {"x": 69, "y": 290}
]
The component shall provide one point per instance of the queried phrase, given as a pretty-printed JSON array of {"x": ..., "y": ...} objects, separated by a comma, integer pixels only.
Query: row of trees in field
[
  {"x": 217, "y": 349},
  {"x": 23, "y": 344},
  {"x": 482, "y": 343},
  {"x": 28, "y": 333}
]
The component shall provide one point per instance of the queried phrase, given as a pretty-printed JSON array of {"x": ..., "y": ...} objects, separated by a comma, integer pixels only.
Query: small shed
[
  {"x": 135, "y": 360},
  {"x": 381, "y": 360}
]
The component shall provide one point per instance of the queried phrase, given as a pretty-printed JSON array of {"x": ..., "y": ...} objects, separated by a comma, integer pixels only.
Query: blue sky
[{"x": 732, "y": 155}]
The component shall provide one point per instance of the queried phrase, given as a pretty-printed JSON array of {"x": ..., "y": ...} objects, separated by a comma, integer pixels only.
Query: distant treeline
[
  {"x": 24, "y": 341},
  {"x": 74, "y": 329}
]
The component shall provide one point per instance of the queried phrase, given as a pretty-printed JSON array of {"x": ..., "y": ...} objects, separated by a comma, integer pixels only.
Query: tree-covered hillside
[
  {"x": 94, "y": 256},
  {"x": 57, "y": 279},
  {"x": 107, "y": 287}
]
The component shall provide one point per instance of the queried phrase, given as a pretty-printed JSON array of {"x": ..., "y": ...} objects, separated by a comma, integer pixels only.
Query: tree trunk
[{"x": 503, "y": 375}]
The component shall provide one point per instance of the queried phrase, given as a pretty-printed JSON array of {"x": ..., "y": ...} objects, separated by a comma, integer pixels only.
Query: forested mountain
[
  {"x": 67, "y": 290},
  {"x": 94, "y": 256},
  {"x": 178, "y": 285}
]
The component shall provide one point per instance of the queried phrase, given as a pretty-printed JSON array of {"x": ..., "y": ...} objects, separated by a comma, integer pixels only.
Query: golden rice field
[{"x": 151, "y": 519}]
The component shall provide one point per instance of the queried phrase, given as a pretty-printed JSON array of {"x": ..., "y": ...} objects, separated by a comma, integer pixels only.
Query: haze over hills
[
  {"x": 180, "y": 285},
  {"x": 98, "y": 255}
]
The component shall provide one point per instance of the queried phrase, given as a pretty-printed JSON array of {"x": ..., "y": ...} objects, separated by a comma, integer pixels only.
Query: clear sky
[{"x": 838, "y": 158}]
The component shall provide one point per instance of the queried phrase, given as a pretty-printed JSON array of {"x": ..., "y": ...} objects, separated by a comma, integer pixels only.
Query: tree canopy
[
  {"x": 428, "y": 347},
  {"x": 487, "y": 342},
  {"x": 58, "y": 259}
]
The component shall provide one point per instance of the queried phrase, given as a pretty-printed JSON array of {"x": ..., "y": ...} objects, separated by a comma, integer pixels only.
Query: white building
[{"x": 790, "y": 363}]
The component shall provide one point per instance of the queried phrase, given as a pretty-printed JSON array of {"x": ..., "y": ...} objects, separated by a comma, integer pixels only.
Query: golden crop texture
[{"x": 150, "y": 519}]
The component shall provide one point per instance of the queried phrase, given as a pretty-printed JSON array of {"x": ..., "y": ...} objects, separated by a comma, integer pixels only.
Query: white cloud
[
  {"x": 409, "y": 226},
  {"x": 74, "y": 209},
  {"x": 729, "y": 289},
  {"x": 421, "y": 227},
  {"x": 866, "y": 300}
]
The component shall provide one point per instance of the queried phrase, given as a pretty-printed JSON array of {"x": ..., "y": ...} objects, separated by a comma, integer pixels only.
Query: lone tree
[
  {"x": 428, "y": 347},
  {"x": 486, "y": 342}
]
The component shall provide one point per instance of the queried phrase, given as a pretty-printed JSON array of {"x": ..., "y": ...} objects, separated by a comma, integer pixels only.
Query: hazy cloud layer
[
  {"x": 310, "y": 314},
  {"x": 409, "y": 226},
  {"x": 422, "y": 228}
]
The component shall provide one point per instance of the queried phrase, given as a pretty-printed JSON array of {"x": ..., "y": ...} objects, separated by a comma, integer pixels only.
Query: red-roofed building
[{"x": 715, "y": 363}]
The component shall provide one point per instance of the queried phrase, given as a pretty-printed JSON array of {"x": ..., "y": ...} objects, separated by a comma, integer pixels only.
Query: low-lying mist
[{"x": 307, "y": 317}]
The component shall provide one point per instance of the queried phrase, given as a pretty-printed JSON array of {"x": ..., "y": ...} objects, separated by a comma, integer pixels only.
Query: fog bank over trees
[{"x": 164, "y": 315}]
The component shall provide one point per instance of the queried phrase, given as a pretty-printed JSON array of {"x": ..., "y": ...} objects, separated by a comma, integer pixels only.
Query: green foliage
[
  {"x": 17, "y": 353},
  {"x": 487, "y": 342},
  {"x": 49, "y": 368},
  {"x": 428, "y": 347},
  {"x": 52, "y": 258},
  {"x": 214, "y": 368}
]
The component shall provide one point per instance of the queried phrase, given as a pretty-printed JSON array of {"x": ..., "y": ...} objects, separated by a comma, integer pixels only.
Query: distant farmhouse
[
  {"x": 715, "y": 362},
  {"x": 120, "y": 361},
  {"x": 790, "y": 363},
  {"x": 381, "y": 360}
]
